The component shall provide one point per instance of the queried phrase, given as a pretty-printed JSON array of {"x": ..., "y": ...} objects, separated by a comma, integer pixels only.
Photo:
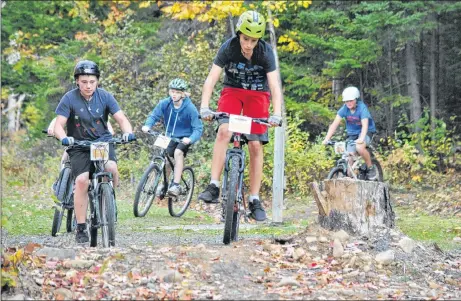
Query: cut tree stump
[{"x": 355, "y": 206}]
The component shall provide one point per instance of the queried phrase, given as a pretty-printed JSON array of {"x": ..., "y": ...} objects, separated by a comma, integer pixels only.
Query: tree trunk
[
  {"x": 390, "y": 116},
  {"x": 433, "y": 79},
  {"x": 357, "y": 207},
  {"x": 412, "y": 82}
]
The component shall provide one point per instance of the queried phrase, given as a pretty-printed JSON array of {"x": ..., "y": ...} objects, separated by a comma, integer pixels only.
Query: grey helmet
[
  {"x": 178, "y": 84},
  {"x": 86, "y": 68}
]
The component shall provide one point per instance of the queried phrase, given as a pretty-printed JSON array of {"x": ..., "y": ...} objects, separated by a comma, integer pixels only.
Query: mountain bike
[
  {"x": 155, "y": 175},
  {"x": 232, "y": 192},
  {"x": 63, "y": 190},
  {"x": 358, "y": 169},
  {"x": 101, "y": 196}
]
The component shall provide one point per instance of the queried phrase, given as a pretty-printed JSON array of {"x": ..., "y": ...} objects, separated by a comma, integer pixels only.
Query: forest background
[{"x": 404, "y": 56}]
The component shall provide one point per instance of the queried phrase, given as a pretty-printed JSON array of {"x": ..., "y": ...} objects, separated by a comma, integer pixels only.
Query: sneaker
[
  {"x": 174, "y": 190},
  {"x": 82, "y": 236},
  {"x": 257, "y": 211},
  {"x": 210, "y": 195},
  {"x": 372, "y": 175}
]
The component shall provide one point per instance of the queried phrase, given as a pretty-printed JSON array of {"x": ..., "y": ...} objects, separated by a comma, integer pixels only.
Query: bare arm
[
  {"x": 59, "y": 131},
  {"x": 332, "y": 129},
  {"x": 364, "y": 131},
  {"x": 276, "y": 92},
  {"x": 123, "y": 122},
  {"x": 50, "y": 129},
  {"x": 110, "y": 128},
  {"x": 209, "y": 84}
]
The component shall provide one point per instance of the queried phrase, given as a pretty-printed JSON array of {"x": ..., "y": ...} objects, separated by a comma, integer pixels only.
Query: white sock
[
  {"x": 215, "y": 182},
  {"x": 253, "y": 197}
]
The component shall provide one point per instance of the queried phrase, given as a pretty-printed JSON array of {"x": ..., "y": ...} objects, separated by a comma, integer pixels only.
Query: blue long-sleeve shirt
[{"x": 179, "y": 123}]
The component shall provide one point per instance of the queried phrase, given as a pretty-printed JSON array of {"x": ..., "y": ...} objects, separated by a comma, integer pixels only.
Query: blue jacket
[{"x": 179, "y": 123}]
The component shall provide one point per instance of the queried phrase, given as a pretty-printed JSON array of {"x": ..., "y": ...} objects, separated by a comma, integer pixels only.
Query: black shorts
[
  {"x": 177, "y": 145},
  {"x": 80, "y": 160}
]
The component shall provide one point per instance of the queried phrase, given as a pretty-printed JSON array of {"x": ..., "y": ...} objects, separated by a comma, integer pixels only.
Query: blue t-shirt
[
  {"x": 242, "y": 73},
  {"x": 87, "y": 120},
  {"x": 354, "y": 120}
]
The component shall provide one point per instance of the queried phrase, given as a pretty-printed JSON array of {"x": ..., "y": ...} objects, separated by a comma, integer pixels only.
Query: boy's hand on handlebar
[
  {"x": 359, "y": 141},
  {"x": 67, "y": 141},
  {"x": 325, "y": 141},
  {"x": 275, "y": 120},
  {"x": 206, "y": 114},
  {"x": 145, "y": 128},
  {"x": 127, "y": 137},
  {"x": 185, "y": 140}
]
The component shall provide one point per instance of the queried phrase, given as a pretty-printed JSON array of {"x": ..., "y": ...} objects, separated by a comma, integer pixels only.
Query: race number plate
[
  {"x": 340, "y": 147},
  {"x": 240, "y": 124},
  {"x": 162, "y": 141},
  {"x": 99, "y": 151}
]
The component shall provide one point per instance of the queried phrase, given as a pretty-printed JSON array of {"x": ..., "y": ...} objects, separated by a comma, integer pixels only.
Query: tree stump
[{"x": 355, "y": 206}]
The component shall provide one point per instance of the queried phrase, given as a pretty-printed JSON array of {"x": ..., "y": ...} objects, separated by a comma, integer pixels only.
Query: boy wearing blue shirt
[
  {"x": 358, "y": 124},
  {"x": 181, "y": 120}
]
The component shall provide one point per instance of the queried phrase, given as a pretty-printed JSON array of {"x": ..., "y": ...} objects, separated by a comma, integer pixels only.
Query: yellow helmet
[{"x": 252, "y": 24}]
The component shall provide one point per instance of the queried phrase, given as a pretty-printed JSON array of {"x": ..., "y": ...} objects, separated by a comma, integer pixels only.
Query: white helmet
[{"x": 351, "y": 93}]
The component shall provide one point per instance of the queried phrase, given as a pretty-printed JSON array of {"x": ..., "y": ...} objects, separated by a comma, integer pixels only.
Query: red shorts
[{"x": 254, "y": 104}]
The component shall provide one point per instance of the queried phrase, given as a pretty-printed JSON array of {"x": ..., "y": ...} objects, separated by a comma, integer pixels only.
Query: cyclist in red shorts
[{"x": 250, "y": 73}]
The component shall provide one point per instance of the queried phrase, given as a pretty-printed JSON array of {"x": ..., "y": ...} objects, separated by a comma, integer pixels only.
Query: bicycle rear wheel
[
  {"x": 145, "y": 193},
  {"x": 336, "y": 173},
  {"x": 64, "y": 186},
  {"x": 57, "y": 220},
  {"x": 107, "y": 211},
  {"x": 177, "y": 206},
  {"x": 232, "y": 187},
  {"x": 71, "y": 222}
]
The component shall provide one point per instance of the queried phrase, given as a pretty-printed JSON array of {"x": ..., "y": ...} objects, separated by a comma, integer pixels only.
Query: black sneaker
[
  {"x": 257, "y": 211},
  {"x": 82, "y": 234},
  {"x": 210, "y": 195},
  {"x": 372, "y": 175}
]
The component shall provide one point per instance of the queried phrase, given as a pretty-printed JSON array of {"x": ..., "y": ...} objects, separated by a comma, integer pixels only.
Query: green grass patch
[{"x": 428, "y": 228}]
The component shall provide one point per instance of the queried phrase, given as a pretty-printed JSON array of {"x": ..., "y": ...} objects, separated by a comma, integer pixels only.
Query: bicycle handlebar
[
  {"x": 155, "y": 133},
  {"x": 221, "y": 115}
]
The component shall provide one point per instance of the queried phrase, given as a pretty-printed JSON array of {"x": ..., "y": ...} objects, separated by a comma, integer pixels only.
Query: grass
[{"x": 428, "y": 228}]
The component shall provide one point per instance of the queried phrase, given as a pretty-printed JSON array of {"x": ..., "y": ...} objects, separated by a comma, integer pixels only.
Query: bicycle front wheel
[
  {"x": 107, "y": 211},
  {"x": 145, "y": 193},
  {"x": 336, "y": 173},
  {"x": 71, "y": 222},
  {"x": 177, "y": 206},
  {"x": 379, "y": 169},
  {"x": 232, "y": 188}
]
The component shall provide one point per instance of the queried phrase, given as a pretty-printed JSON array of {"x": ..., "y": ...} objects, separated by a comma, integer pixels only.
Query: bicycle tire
[
  {"x": 379, "y": 168},
  {"x": 107, "y": 211},
  {"x": 93, "y": 226},
  {"x": 235, "y": 226},
  {"x": 187, "y": 175},
  {"x": 336, "y": 173},
  {"x": 146, "y": 189},
  {"x": 64, "y": 184},
  {"x": 232, "y": 187},
  {"x": 71, "y": 222},
  {"x": 57, "y": 220}
]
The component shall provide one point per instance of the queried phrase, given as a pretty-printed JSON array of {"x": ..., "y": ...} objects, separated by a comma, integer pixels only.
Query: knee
[
  {"x": 178, "y": 155},
  {"x": 111, "y": 167},
  {"x": 255, "y": 148},
  {"x": 223, "y": 134},
  {"x": 81, "y": 181}
]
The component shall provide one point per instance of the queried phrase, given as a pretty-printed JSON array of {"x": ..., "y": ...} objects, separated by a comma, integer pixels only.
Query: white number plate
[
  {"x": 240, "y": 124},
  {"x": 162, "y": 141},
  {"x": 99, "y": 151},
  {"x": 340, "y": 147}
]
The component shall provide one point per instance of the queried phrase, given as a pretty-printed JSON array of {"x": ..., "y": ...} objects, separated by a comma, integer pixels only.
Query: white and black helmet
[
  {"x": 351, "y": 93},
  {"x": 178, "y": 84}
]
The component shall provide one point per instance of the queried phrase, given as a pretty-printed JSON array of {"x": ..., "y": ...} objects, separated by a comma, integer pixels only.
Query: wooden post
[{"x": 279, "y": 145}]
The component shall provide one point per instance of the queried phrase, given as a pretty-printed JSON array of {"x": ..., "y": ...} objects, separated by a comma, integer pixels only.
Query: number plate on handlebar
[
  {"x": 99, "y": 151},
  {"x": 162, "y": 141},
  {"x": 340, "y": 147},
  {"x": 240, "y": 124}
]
